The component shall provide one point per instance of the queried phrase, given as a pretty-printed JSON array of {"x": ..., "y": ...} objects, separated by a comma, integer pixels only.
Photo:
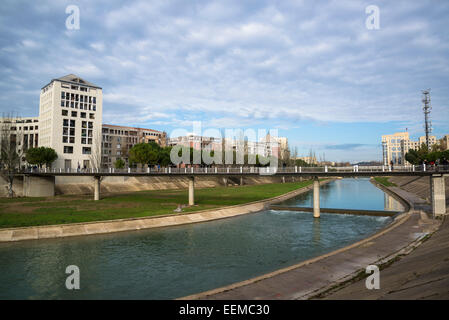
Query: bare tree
[
  {"x": 11, "y": 152},
  {"x": 96, "y": 157}
]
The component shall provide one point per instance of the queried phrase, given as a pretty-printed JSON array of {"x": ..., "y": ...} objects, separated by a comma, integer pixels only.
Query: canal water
[{"x": 177, "y": 261}]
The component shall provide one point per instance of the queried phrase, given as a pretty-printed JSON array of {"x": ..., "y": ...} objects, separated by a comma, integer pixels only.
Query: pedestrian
[{"x": 391, "y": 164}]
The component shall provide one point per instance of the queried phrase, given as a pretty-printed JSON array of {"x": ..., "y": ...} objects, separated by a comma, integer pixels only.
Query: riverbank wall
[{"x": 85, "y": 185}]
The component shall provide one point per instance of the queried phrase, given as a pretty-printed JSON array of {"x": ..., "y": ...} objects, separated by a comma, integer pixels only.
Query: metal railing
[{"x": 243, "y": 170}]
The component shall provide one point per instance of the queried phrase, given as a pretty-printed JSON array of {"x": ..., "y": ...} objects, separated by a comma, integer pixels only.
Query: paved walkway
[
  {"x": 307, "y": 279},
  {"x": 423, "y": 274}
]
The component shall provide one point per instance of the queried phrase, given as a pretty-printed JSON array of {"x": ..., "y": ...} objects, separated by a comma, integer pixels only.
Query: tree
[
  {"x": 413, "y": 157},
  {"x": 10, "y": 152},
  {"x": 96, "y": 159},
  {"x": 40, "y": 156},
  {"x": 164, "y": 156},
  {"x": 145, "y": 153},
  {"x": 119, "y": 163}
]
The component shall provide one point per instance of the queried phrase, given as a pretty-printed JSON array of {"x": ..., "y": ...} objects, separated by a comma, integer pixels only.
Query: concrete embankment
[
  {"x": 419, "y": 186},
  {"x": 316, "y": 276},
  {"x": 85, "y": 185},
  {"x": 109, "y": 226}
]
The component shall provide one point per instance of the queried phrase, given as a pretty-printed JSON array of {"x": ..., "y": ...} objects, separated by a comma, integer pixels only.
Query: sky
[{"x": 313, "y": 70}]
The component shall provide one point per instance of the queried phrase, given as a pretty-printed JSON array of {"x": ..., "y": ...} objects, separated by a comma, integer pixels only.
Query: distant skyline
[{"x": 310, "y": 69}]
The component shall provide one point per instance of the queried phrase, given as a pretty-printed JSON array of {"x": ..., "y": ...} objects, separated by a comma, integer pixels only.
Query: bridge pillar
[
  {"x": 191, "y": 191},
  {"x": 97, "y": 185},
  {"x": 438, "y": 195},
  {"x": 225, "y": 181},
  {"x": 35, "y": 186},
  {"x": 241, "y": 180},
  {"x": 316, "y": 197}
]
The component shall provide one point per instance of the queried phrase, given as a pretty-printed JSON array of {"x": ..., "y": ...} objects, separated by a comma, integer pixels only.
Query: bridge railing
[{"x": 245, "y": 170}]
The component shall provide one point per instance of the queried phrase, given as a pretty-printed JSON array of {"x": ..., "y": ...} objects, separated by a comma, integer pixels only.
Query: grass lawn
[
  {"x": 384, "y": 181},
  {"x": 20, "y": 212}
]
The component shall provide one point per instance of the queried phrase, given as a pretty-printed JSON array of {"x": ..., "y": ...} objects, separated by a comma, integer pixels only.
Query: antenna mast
[{"x": 427, "y": 108}]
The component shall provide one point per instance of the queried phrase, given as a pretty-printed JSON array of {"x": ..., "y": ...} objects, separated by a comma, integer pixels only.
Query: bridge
[{"x": 41, "y": 182}]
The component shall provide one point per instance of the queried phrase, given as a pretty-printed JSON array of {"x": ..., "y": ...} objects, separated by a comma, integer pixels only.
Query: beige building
[
  {"x": 407, "y": 145},
  {"x": 391, "y": 147},
  {"x": 395, "y": 147},
  {"x": 309, "y": 160},
  {"x": 70, "y": 117},
  {"x": 118, "y": 140}
]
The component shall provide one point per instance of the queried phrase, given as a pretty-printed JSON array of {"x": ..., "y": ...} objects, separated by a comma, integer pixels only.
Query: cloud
[{"x": 286, "y": 64}]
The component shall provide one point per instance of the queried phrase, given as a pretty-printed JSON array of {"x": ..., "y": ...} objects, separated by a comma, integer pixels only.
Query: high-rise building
[
  {"x": 70, "y": 118},
  {"x": 391, "y": 147}
]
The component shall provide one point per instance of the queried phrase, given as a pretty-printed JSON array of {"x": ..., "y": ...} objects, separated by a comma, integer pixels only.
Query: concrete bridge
[{"x": 41, "y": 182}]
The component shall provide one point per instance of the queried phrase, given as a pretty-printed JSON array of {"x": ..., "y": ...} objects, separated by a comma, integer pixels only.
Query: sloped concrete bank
[
  {"x": 108, "y": 226},
  {"x": 85, "y": 185},
  {"x": 315, "y": 276}
]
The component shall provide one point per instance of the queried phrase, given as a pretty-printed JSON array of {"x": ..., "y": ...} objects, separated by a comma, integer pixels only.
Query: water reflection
[
  {"x": 391, "y": 204},
  {"x": 316, "y": 232}
]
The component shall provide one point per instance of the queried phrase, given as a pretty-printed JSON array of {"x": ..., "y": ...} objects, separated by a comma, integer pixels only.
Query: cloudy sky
[{"x": 311, "y": 69}]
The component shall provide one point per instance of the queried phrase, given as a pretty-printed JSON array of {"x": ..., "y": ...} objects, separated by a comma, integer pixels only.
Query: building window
[
  {"x": 68, "y": 149},
  {"x": 91, "y": 116},
  {"x": 65, "y": 112},
  {"x": 65, "y": 139},
  {"x": 62, "y": 103},
  {"x": 74, "y": 114},
  {"x": 87, "y": 150},
  {"x": 72, "y": 123},
  {"x": 62, "y": 95},
  {"x": 83, "y": 115},
  {"x": 65, "y": 122}
]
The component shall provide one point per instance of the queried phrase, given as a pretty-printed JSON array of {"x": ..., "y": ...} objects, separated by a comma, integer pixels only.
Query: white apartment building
[
  {"x": 24, "y": 132},
  {"x": 70, "y": 120}
]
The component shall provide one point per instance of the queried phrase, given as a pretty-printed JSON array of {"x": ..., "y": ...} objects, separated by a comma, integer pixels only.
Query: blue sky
[{"x": 310, "y": 69}]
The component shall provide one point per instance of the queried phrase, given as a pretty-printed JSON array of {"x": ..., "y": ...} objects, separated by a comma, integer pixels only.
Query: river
[{"x": 172, "y": 262}]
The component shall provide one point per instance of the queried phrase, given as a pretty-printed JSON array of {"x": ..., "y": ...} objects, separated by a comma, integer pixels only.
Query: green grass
[
  {"x": 20, "y": 212},
  {"x": 384, "y": 181}
]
